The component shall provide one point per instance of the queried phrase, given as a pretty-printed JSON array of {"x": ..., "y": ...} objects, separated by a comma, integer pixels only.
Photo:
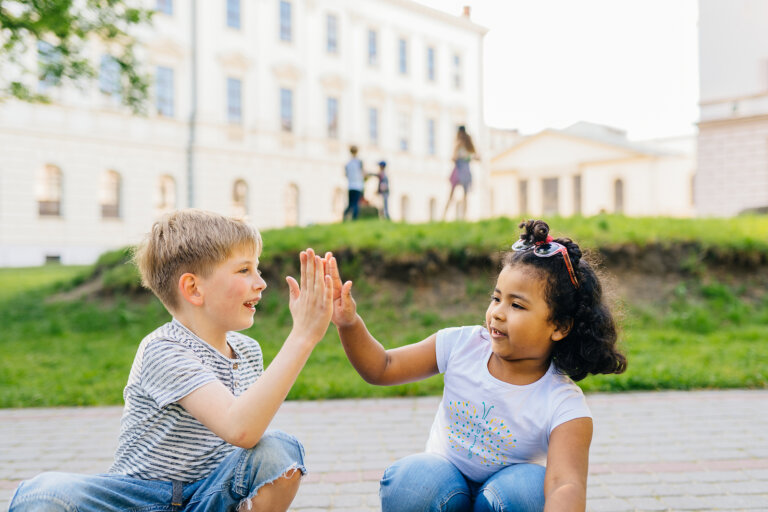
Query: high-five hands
[{"x": 311, "y": 304}]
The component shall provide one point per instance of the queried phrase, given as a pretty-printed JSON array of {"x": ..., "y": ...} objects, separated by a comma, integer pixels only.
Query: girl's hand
[
  {"x": 311, "y": 304},
  {"x": 344, "y": 307}
]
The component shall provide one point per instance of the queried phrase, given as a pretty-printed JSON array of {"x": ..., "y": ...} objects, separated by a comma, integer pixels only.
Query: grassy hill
[{"x": 691, "y": 294}]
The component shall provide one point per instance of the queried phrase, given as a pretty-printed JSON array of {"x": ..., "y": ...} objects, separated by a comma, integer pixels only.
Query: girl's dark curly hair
[{"x": 590, "y": 346}]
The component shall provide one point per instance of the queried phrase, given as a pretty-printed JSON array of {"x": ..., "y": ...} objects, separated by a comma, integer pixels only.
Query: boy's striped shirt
[{"x": 159, "y": 439}]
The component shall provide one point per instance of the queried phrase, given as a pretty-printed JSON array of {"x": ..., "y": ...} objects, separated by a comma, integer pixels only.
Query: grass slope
[{"x": 704, "y": 333}]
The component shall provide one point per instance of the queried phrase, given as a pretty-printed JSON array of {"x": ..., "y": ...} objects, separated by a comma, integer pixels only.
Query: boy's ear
[
  {"x": 561, "y": 331},
  {"x": 190, "y": 290}
]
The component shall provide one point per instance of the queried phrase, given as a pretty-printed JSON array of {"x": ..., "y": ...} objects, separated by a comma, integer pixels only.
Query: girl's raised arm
[{"x": 375, "y": 364}]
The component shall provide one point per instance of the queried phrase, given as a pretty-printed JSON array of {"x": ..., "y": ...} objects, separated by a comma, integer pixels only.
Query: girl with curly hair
[{"x": 509, "y": 402}]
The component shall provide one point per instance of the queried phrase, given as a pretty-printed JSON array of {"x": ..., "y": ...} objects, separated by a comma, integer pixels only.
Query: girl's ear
[
  {"x": 561, "y": 332},
  {"x": 190, "y": 290}
]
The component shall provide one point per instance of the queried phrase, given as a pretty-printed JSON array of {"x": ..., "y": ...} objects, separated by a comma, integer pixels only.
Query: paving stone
[
  {"x": 647, "y": 504},
  {"x": 608, "y": 505},
  {"x": 651, "y": 451}
]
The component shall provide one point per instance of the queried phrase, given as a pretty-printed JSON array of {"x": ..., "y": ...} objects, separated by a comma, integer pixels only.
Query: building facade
[
  {"x": 254, "y": 106},
  {"x": 587, "y": 169},
  {"x": 733, "y": 127}
]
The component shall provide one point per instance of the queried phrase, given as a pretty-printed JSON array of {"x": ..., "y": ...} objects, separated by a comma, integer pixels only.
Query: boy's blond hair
[{"x": 193, "y": 241}]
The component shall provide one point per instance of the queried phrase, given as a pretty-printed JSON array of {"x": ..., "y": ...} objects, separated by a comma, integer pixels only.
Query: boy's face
[{"x": 232, "y": 291}]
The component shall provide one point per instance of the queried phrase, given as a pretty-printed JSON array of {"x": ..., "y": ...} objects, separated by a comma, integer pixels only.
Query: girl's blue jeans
[
  {"x": 426, "y": 482},
  {"x": 239, "y": 477}
]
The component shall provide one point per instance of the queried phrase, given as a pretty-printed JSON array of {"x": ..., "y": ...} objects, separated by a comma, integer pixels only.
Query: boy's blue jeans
[
  {"x": 240, "y": 475},
  {"x": 426, "y": 482}
]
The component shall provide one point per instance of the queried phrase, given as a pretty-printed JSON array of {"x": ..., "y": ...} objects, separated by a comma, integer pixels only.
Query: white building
[
  {"x": 733, "y": 128},
  {"x": 587, "y": 169},
  {"x": 255, "y": 118}
]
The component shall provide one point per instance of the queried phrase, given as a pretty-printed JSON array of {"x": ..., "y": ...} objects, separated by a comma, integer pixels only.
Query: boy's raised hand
[
  {"x": 344, "y": 307},
  {"x": 311, "y": 304}
]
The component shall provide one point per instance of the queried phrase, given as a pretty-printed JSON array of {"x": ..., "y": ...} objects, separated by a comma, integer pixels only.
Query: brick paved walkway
[{"x": 701, "y": 450}]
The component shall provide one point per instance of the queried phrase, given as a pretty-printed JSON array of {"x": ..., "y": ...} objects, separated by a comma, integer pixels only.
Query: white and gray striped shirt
[{"x": 159, "y": 439}]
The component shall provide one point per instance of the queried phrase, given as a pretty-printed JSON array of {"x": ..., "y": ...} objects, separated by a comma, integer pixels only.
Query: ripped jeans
[{"x": 239, "y": 476}]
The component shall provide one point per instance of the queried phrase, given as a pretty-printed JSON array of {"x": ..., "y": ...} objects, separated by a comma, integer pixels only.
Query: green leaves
[{"x": 60, "y": 31}]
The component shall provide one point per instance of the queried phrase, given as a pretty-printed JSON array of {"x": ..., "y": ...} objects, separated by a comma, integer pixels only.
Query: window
[
  {"x": 49, "y": 192},
  {"x": 331, "y": 36},
  {"x": 233, "y": 14},
  {"x": 164, "y": 91},
  {"x": 164, "y": 6},
  {"x": 166, "y": 194},
  {"x": 430, "y": 136},
  {"x": 292, "y": 205},
  {"x": 402, "y": 56},
  {"x": 240, "y": 198},
  {"x": 431, "y": 64},
  {"x": 286, "y": 110},
  {"x": 373, "y": 126},
  {"x": 403, "y": 130},
  {"x": 550, "y": 196},
  {"x": 285, "y": 20},
  {"x": 618, "y": 196},
  {"x": 234, "y": 100},
  {"x": 577, "y": 194},
  {"x": 332, "y": 121},
  {"x": 109, "y": 75},
  {"x": 110, "y": 195},
  {"x": 522, "y": 196},
  {"x": 456, "y": 71},
  {"x": 373, "y": 48},
  {"x": 48, "y": 65}
]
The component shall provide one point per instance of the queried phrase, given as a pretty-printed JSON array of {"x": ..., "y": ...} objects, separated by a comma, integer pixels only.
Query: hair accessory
[{"x": 545, "y": 249}]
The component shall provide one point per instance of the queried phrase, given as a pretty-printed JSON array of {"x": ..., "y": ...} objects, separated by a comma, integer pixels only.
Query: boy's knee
[
  {"x": 275, "y": 495},
  {"x": 47, "y": 492},
  {"x": 276, "y": 446},
  {"x": 274, "y": 457}
]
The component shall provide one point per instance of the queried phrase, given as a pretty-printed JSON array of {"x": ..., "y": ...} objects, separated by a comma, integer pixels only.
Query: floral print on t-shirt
[{"x": 479, "y": 434}]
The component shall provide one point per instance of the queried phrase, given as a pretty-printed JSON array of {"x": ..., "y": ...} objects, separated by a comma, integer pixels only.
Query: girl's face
[{"x": 518, "y": 317}]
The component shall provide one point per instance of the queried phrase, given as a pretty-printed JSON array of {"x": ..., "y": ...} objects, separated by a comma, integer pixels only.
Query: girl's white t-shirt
[{"x": 484, "y": 424}]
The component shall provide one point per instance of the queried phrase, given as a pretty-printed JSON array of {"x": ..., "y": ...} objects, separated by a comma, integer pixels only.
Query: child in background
[
  {"x": 198, "y": 403},
  {"x": 383, "y": 189},
  {"x": 355, "y": 184},
  {"x": 509, "y": 400}
]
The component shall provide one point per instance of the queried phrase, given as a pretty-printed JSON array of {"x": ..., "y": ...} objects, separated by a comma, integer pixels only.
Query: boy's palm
[{"x": 311, "y": 304}]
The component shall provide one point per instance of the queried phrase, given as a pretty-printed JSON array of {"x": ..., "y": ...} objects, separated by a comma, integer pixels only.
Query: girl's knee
[
  {"x": 423, "y": 482},
  {"x": 518, "y": 487}
]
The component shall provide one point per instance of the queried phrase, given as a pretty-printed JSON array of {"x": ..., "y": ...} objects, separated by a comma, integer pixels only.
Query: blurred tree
[{"x": 58, "y": 31}]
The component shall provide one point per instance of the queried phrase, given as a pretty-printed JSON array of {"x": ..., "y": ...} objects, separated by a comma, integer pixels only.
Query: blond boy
[{"x": 198, "y": 402}]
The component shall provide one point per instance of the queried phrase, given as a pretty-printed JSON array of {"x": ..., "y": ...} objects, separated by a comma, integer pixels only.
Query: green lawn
[
  {"x": 16, "y": 280},
  {"x": 78, "y": 352}
]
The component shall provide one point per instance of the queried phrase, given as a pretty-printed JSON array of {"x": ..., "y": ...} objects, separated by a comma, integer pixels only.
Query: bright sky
[{"x": 631, "y": 64}]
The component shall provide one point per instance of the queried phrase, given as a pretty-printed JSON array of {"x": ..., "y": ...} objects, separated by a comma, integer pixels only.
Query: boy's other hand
[
  {"x": 344, "y": 307},
  {"x": 311, "y": 303}
]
